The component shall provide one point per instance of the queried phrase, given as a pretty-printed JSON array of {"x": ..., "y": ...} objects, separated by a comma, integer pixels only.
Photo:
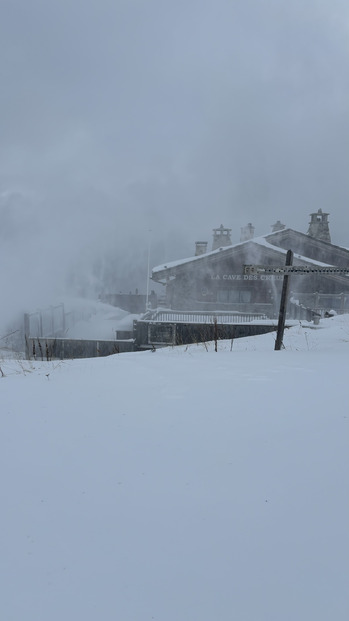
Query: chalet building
[{"x": 215, "y": 280}]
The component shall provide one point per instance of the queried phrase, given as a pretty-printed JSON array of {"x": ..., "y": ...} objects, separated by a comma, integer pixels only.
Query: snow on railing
[{"x": 226, "y": 317}]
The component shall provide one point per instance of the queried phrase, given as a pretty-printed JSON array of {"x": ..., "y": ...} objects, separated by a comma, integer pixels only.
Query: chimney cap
[
  {"x": 247, "y": 232},
  {"x": 221, "y": 237},
  {"x": 278, "y": 226},
  {"x": 200, "y": 247}
]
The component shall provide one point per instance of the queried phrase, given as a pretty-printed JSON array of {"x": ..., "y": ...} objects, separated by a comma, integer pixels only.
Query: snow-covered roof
[
  {"x": 260, "y": 241},
  {"x": 199, "y": 257}
]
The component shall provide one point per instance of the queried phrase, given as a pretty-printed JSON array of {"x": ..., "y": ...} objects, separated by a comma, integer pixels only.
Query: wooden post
[
  {"x": 283, "y": 304},
  {"x": 215, "y": 334},
  {"x": 26, "y": 335}
]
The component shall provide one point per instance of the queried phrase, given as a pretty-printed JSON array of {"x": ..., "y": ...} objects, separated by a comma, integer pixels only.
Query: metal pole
[
  {"x": 148, "y": 275},
  {"x": 283, "y": 304}
]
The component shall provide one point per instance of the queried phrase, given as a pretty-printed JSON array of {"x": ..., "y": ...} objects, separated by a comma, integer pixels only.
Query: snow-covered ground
[{"x": 179, "y": 485}]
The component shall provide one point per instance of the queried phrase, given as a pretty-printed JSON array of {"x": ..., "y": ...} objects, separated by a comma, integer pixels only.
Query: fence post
[
  {"x": 26, "y": 335},
  {"x": 215, "y": 334}
]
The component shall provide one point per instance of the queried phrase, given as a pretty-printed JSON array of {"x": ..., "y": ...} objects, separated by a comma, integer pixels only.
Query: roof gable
[
  {"x": 253, "y": 251},
  {"x": 311, "y": 247}
]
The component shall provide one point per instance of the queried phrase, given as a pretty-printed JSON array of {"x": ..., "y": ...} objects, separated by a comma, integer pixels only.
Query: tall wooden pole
[{"x": 283, "y": 304}]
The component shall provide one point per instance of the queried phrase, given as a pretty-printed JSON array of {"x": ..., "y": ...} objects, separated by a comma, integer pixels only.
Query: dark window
[
  {"x": 160, "y": 333},
  {"x": 234, "y": 296}
]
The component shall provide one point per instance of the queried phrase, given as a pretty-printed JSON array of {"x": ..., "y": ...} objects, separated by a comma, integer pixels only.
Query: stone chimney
[
  {"x": 319, "y": 227},
  {"x": 221, "y": 237},
  {"x": 200, "y": 248},
  {"x": 247, "y": 232},
  {"x": 278, "y": 226}
]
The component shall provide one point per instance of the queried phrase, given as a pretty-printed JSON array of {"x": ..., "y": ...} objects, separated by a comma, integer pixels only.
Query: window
[
  {"x": 159, "y": 334},
  {"x": 234, "y": 296},
  {"x": 245, "y": 296},
  {"x": 223, "y": 295}
]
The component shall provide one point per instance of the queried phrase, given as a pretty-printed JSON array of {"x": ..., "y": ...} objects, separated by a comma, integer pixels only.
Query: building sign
[{"x": 245, "y": 277}]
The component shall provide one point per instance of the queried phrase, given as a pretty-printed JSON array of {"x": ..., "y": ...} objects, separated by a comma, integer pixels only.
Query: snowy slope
[{"x": 179, "y": 485}]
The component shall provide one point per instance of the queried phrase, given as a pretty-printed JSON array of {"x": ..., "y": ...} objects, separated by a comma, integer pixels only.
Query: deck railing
[{"x": 221, "y": 317}]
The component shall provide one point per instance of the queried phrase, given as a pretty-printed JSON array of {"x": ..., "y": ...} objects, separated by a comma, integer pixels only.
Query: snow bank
[{"x": 182, "y": 484}]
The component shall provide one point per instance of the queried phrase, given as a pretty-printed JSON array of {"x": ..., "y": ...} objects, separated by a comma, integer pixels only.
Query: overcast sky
[{"x": 120, "y": 116}]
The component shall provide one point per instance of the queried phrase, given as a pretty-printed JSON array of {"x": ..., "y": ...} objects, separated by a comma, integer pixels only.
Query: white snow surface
[{"x": 179, "y": 485}]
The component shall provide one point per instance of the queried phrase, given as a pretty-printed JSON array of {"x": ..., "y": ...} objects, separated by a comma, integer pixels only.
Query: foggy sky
[{"x": 121, "y": 116}]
